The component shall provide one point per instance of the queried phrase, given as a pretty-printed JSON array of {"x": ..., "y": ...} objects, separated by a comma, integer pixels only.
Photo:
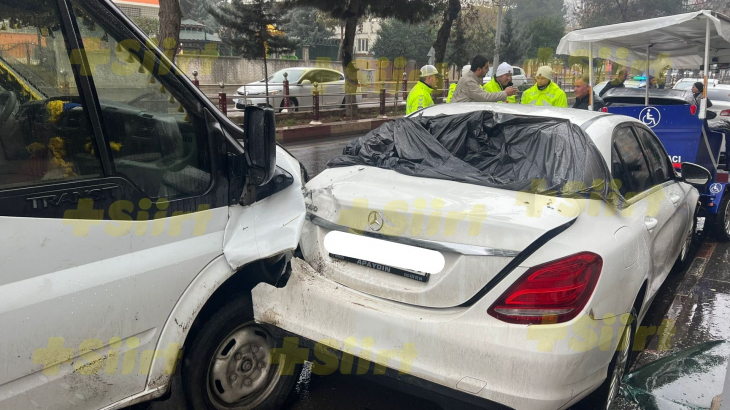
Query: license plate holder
[{"x": 417, "y": 276}]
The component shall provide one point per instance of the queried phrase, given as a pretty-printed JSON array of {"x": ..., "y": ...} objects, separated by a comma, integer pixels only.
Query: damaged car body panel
[{"x": 545, "y": 184}]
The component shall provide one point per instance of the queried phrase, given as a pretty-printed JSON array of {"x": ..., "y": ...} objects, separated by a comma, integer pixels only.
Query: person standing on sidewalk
[
  {"x": 420, "y": 95},
  {"x": 617, "y": 82},
  {"x": 583, "y": 92},
  {"x": 452, "y": 87},
  {"x": 500, "y": 81},
  {"x": 545, "y": 91},
  {"x": 469, "y": 88}
]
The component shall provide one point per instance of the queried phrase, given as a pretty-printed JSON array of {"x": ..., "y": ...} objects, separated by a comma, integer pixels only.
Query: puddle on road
[{"x": 688, "y": 379}]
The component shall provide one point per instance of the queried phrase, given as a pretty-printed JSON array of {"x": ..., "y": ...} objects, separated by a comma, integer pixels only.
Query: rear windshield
[
  {"x": 541, "y": 155},
  {"x": 635, "y": 102},
  {"x": 719, "y": 94}
]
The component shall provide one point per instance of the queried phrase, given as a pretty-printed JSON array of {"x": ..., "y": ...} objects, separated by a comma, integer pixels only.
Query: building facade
[{"x": 139, "y": 8}]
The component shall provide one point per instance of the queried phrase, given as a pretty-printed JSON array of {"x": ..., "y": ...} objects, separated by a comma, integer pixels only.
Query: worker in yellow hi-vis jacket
[{"x": 420, "y": 95}]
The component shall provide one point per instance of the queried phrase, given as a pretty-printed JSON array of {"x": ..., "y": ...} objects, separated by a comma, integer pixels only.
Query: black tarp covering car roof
[{"x": 519, "y": 153}]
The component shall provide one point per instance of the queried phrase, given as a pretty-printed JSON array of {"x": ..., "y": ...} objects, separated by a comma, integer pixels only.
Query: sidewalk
[{"x": 700, "y": 313}]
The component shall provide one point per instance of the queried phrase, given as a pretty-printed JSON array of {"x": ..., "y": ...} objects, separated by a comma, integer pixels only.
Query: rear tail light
[
  {"x": 725, "y": 112},
  {"x": 604, "y": 109},
  {"x": 693, "y": 109},
  {"x": 553, "y": 292}
]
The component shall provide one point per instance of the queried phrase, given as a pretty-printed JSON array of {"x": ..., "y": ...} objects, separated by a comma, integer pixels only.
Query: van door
[{"x": 113, "y": 198}]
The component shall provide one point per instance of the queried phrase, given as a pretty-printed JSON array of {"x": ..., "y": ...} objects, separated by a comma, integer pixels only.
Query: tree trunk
[
  {"x": 170, "y": 16},
  {"x": 348, "y": 66},
  {"x": 442, "y": 38}
]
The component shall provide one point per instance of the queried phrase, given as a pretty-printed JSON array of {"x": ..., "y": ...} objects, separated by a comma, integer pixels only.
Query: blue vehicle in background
[{"x": 674, "y": 118}]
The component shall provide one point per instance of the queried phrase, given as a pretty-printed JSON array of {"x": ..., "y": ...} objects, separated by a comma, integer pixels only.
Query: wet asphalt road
[{"x": 343, "y": 392}]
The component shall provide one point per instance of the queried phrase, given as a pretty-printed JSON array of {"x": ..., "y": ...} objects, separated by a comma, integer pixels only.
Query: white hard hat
[{"x": 429, "y": 70}]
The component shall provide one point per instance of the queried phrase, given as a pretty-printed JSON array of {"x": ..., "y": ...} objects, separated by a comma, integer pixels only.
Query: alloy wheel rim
[
  {"x": 619, "y": 368},
  {"x": 240, "y": 374},
  {"x": 727, "y": 218}
]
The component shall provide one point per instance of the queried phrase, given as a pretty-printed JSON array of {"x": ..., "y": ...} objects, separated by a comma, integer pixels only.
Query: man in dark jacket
[
  {"x": 583, "y": 91},
  {"x": 618, "y": 82}
]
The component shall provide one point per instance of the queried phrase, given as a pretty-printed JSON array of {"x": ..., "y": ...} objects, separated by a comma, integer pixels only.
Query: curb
[{"x": 302, "y": 133}]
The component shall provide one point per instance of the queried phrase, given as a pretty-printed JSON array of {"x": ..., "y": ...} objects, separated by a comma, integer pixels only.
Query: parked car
[
  {"x": 518, "y": 76},
  {"x": 719, "y": 94},
  {"x": 686, "y": 83},
  {"x": 449, "y": 259},
  {"x": 133, "y": 222},
  {"x": 301, "y": 79}
]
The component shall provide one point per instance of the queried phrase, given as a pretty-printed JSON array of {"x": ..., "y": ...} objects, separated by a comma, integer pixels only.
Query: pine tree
[
  {"x": 252, "y": 28},
  {"x": 510, "y": 49}
]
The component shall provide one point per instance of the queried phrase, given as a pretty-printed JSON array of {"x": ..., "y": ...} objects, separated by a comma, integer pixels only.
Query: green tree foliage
[
  {"x": 527, "y": 11},
  {"x": 399, "y": 39},
  {"x": 510, "y": 49},
  {"x": 458, "y": 52},
  {"x": 543, "y": 32},
  {"x": 306, "y": 23},
  {"x": 593, "y": 13},
  {"x": 252, "y": 28},
  {"x": 150, "y": 26},
  {"x": 351, "y": 12}
]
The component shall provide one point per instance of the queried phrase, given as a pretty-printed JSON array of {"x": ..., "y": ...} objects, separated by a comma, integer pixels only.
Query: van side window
[
  {"x": 45, "y": 134},
  {"x": 156, "y": 141},
  {"x": 629, "y": 153}
]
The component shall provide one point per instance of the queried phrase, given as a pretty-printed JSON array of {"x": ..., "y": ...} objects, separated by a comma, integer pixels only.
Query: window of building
[{"x": 131, "y": 11}]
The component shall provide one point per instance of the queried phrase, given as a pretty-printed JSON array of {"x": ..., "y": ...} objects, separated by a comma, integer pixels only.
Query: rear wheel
[
  {"x": 605, "y": 396},
  {"x": 722, "y": 220},
  {"x": 689, "y": 236},
  {"x": 228, "y": 365}
]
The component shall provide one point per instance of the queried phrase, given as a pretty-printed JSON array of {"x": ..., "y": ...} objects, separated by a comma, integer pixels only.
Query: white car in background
[
  {"x": 474, "y": 331},
  {"x": 518, "y": 76},
  {"x": 301, "y": 80},
  {"x": 719, "y": 95},
  {"x": 686, "y": 83}
]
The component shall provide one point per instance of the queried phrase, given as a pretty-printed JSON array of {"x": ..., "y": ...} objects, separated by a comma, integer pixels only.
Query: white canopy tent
[{"x": 681, "y": 40}]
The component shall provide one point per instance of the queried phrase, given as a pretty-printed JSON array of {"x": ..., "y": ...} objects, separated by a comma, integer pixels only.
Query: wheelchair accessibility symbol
[
  {"x": 715, "y": 188},
  {"x": 650, "y": 116}
]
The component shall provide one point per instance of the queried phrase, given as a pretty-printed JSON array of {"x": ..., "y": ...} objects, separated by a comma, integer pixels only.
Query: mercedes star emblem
[{"x": 375, "y": 221}]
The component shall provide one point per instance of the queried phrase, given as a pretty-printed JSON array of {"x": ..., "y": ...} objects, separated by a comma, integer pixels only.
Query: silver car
[
  {"x": 719, "y": 94},
  {"x": 331, "y": 85}
]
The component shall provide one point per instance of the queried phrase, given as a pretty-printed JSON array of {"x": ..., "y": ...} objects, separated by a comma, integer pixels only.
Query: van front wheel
[{"x": 230, "y": 366}]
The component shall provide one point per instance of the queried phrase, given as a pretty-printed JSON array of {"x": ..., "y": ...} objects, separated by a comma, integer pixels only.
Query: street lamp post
[{"x": 498, "y": 37}]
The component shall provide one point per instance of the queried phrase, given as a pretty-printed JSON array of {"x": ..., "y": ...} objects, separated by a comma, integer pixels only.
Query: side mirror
[
  {"x": 696, "y": 176},
  {"x": 305, "y": 82},
  {"x": 260, "y": 128}
]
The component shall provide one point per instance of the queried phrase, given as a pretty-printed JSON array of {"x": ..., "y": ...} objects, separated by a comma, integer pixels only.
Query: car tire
[
  {"x": 605, "y": 395},
  {"x": 226, "y": 366},
  {"x": 722, "y": 220},
  {"x": 293, "y": 105}
]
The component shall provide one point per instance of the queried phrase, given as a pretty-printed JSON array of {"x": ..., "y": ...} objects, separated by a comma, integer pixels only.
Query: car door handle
[
  {"x": 675, "y": 199},
  {"x": 650, "y": 223}
]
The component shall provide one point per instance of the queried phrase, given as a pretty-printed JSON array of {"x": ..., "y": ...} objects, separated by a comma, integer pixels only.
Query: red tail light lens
[
  {"x": 604, "y": 109},
  {"x": 725, "y": 112},
  {"x": 553, "y": 292},
  {"x": 693, "y": 109}
]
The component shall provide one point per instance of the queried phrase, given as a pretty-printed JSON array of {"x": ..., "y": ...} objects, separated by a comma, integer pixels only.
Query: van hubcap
[{"x": 240, "y": 371}]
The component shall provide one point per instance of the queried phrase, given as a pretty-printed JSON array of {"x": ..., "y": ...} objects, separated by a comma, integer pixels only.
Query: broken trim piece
[{"x": 422, "y": 243}]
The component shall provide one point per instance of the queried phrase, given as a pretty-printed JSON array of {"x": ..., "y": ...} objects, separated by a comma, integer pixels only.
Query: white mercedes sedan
[{"x": 493, "y": 255}]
